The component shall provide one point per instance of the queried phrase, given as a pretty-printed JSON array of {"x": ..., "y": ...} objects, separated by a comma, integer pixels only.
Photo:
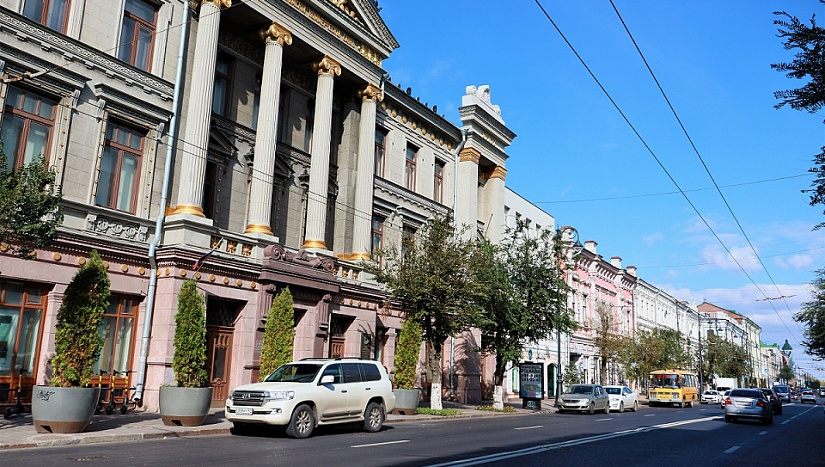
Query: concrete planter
[
  {"x": 184, "y": 406},
  {"x": 63, "y": 410},
  {"x": 406, "y": 401}
]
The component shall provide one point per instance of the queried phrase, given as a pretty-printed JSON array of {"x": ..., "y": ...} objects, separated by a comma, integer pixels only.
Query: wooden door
[
  {"x": 336, "y": 348},
  {"x": 218, "y": 358}
]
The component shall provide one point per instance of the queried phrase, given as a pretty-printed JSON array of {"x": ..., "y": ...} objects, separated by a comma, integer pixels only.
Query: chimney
[
  {"x": 616, "y": 261},
  {"x": 631, "y": 270},
  {"x": 590, "y": 245}
]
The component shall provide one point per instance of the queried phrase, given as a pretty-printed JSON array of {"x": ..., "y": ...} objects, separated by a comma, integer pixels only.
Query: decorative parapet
[
  {"x": 301, "y": 257},
  {"x": 116, "y": 228}
]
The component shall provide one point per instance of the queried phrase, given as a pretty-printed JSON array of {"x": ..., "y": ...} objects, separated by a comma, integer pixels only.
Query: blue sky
[{"x": 576, "y": 157}]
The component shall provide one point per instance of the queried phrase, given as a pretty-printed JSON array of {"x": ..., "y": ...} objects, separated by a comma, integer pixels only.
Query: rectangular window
[
  {"x": 256, "y": 101},
  {"x": 50, "y": 13},
  {"x": 137, "y": 35},
  {"x": 21, "y": 317},
  {"x": 117, "y": 332},
  {"x": 407, "y": 238},
  {"x": 223, "y": 80},
  {"x": 117, "y": 184},
  {"x": 438, "y": 182},
  {"x": 27, "y": 126},
  {"x": 377, "y": 232},
  {"x": 380, "y": 152},
  {"x": 210, "y": 185},
  {"x": 409, "y": 168},
  {"x": 309, "y": 125},
  {"x": 283, "y": 115}
]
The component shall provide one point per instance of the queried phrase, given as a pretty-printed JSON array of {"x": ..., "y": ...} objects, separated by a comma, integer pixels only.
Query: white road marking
[
  {"x": 763, "y": 433},
  {"x": 529, "y": 427},
  {"x": 564, "y": 444},
  {"x": 380, "y": 444},
  {"x": 603, "y": 419},
  {"x": 650, "y": 415},
  {"x": 733, "y": 449},
  {"x": 785, "y": 422}
]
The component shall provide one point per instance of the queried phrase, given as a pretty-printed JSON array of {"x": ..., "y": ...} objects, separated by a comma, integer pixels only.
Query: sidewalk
[{"x": 18, "y": 432}]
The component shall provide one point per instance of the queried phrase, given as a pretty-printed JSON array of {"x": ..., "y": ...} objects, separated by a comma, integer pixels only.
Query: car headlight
[{"x": 278, "y": 395}]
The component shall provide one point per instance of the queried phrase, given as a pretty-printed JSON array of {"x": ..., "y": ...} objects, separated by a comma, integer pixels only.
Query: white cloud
[
  {"x": 716, "y": 257},
  {"x": 795, "y": 262},
  {"x": 652, "y": 238}
]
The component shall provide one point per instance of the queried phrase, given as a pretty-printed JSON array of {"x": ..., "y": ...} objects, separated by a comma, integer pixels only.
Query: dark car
[{"x": 776, "y": 403}]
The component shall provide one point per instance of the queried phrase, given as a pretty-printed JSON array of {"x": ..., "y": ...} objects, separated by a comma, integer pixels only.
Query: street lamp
[{"x": 570, "y": 237}]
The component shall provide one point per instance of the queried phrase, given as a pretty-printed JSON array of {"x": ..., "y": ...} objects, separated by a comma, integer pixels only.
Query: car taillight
[
  {"x": 760, "y": 403},
  {"x": 727, "y": 401}
]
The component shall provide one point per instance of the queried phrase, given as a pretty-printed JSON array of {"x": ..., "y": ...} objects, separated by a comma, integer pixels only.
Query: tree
[
  {"x": 572, "y": 375},
  {"x": 808, "y": 63},
  {"x": 812, "y": 315},
  {"x": 432, "y": 278},
  {"x": 279, "y": 334},
  {"x": 523, "y": 297},
  {"x": 786, "y": 373},
  {"x": 77, "y": 342},
  {"x": 606, "y": 340},
  {"x": 30, "y": 209},
  {"x": 658, "y": 349},
  {"x": 406, "y": 357},
  {"x": 189, "y": 361},
  {"x": 723, "y": 358}
]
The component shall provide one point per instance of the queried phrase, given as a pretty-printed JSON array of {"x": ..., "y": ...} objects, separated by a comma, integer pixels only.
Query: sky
[{"x": 576, "y": 156}]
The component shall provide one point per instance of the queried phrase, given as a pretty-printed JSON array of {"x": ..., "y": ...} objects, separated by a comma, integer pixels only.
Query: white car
[
  {"x": 711, "y": 397},
  {"x": 622, "y": 398},
  {"x": 302, "y": 395},
  {"x": 722, "y": 399}
]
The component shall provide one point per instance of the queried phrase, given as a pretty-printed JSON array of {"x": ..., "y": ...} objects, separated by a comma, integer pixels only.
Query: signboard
[{"x": 531, "y": 380}]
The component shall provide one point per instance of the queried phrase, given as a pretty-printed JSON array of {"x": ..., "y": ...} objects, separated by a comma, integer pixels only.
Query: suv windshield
[{"x": 294, "y": 373}]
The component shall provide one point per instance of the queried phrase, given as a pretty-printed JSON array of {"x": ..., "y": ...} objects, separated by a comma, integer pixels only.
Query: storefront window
[{"x": 117, "y": 331}]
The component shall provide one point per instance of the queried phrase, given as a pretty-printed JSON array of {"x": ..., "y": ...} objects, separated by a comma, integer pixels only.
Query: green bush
[
  {"x": 440, "y": 412},
  {"x": 279, "y": 334},
  {"x": 189, "y": 362},
  {"x": 406, "y": 356},
  {"x": 77, "y": 342}
]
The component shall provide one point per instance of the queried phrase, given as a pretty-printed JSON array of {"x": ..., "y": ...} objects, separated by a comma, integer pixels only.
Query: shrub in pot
[
  {"x": 279, "y": 334},
  {"x": 67, "y": 406},
  {"x": 187, "y": 404},
  {"x": 406, "y": 368}
]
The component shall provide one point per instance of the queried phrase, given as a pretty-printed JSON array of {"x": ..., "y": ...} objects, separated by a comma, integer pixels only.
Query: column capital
[
  {"x": 371, "y": 92},
  {"x": 497, "y": 172},
  {"x": 469, "y": 154},
  {"x": 276, "y": 33},
  {"x": 194, "y": 4},
  {"x": 327, "y": 66}
]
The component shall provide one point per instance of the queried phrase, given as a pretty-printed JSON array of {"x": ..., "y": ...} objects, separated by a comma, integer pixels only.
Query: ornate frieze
[
  {"x": 253, "y": 52},
  {"x": 278, "y": 252},
  {"x": 116, "y": 228}
]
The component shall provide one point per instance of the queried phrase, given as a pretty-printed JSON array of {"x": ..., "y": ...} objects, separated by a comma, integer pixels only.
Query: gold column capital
[
  {"x": 194, "y": 4},
  {"x": 371, "y": 92},
  {"x": 276, "y": 33},
  {"x": 469, "y": 154},
  {"x": 327, "y": 66}
]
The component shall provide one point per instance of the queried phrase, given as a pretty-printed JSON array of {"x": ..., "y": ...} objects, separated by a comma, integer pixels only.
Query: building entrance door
[
  {"x": 21, "y": 327},
  {"x": 218, "y": 357}
]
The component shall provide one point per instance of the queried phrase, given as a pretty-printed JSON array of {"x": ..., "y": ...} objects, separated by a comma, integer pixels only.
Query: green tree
[
  {"x": 432, "y": 278},
  {"x": 658, "y": 349},
  {"x": 786, "y": 373},
  {"x": 30, "y": 209},
  {"x": 572, "y": 375},
  {"x": 279, "y": 334},
  {"x": 189, "y": 361},
  {"x": 808, "y": 42},
  {"x": 406, "y": 357},
  {"x": 723, "y": 358},
  {"x": 812, "y": 315},
  {"x": 77, "y": 343},
  {"x": 606, "y": 340},
  {"x": 523, "y": 297}
]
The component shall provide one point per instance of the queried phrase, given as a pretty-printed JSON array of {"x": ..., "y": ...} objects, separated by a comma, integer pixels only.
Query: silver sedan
[
  {"x": 584, "y": 398},
  {"x": 748, "y": 403}
]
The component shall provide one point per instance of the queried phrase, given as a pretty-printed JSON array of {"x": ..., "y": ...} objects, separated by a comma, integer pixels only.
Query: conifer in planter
[
  {"x": 279, "y": 334},
  {"x": 67, "y": 406},
  {"x": 187, "y": 404},
  {"x": 406, "y": 368}
]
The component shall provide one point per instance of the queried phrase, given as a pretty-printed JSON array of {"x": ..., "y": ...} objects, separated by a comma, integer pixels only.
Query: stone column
[
  {"x": 315, "y": 236},
  {"x": 196, "y": 137},
  {"x": 362, "y": 227},
  {"x": 492, "y": 203},
  {"x": 466, "y": 212},
  {"x": 260, "y": 194}
]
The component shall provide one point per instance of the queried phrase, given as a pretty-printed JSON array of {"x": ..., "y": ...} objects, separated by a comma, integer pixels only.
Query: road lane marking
[
  {"x": 785, "y": 422},
  {"x": 380, "y": 444},
  {"x": 529, "y": 427},
  {"x": 603, "y": 419},
  {"x": 650, "y": 415},
  {"x": 564, "y": 444},
  {"x": 731, "y": 450},
  {"x": 763, "y": 433}
]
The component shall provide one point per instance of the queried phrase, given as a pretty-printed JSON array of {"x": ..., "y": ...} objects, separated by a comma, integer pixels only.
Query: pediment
[{"x": 364, "y": 15}]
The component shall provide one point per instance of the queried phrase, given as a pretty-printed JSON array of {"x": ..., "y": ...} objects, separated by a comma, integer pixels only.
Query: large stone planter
[
  {"x": 406, "y": 401},
  {"x": 184, "y": 406},
  {"x": 63, "y": 410}
]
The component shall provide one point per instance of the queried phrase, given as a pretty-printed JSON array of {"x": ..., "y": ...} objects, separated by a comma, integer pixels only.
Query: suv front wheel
[
  {"x": 374, "y": 417},
  {"x": 302, "y": 422}
]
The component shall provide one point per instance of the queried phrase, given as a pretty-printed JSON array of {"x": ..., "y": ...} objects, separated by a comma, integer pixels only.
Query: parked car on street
[
  {"x": 807, "y": 396},
  {"x": 783, "y": 391},
  {"x": 822, "y": 392},
  {"x": 748, "y": 403},
  {"x": 711, "y": 396},
  {"x": 776, "y": 403},
  {"x": 723, "y": 397},
  {"x": 302, "y": 395},
  {"x": 584, "y": 398},
  {"x": 622, "y": 398}
]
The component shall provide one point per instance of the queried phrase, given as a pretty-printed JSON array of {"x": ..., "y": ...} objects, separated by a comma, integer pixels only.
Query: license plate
[{"x": 243, "y": 410}]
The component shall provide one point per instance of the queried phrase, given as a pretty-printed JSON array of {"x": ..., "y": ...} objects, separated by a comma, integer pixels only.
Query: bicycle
[
  {"x": 127, "y": 404},
  {"x": 18, "y": 406}
]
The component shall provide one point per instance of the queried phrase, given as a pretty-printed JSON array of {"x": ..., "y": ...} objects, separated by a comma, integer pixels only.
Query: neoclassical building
[{"x": 262, "y": 140}]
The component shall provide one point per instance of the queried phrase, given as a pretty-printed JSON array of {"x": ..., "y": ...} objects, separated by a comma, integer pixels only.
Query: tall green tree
[
  {"x": 658, "y": 349},
  {"x": 812, "y": 315},
  {"x": 431, "y": 276},
  {"x": 279, "y": 334},
  {"x": 606, "y": 340},
  {"x": 723, "y": 358},
  {"x": 189, "y": 360},
  {"x": 808, "y": 44},
  {"x": 30, "y": 209},
  {"x": 786, "y": 373},
  {"x": 523, "y": 297}
]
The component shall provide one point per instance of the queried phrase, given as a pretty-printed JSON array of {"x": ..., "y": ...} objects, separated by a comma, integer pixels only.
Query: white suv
[{"x": 301, "y": 395}]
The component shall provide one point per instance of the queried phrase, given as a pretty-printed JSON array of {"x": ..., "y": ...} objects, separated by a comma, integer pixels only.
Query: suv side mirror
[{"x": 327, "y": 379}]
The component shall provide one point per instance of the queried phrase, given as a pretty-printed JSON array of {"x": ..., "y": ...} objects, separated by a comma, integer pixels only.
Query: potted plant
[
  {"x": 406, "y": 364},
  {"x": 67, "y": 405},
  {"x": 188, "y": 403}
]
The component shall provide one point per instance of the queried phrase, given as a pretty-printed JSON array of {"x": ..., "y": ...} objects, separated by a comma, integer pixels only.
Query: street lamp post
[{"x": 570, "y": 236}]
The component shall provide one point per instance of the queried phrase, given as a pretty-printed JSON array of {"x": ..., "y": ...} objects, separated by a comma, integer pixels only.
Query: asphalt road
[{"x": 658, "y": 436}]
